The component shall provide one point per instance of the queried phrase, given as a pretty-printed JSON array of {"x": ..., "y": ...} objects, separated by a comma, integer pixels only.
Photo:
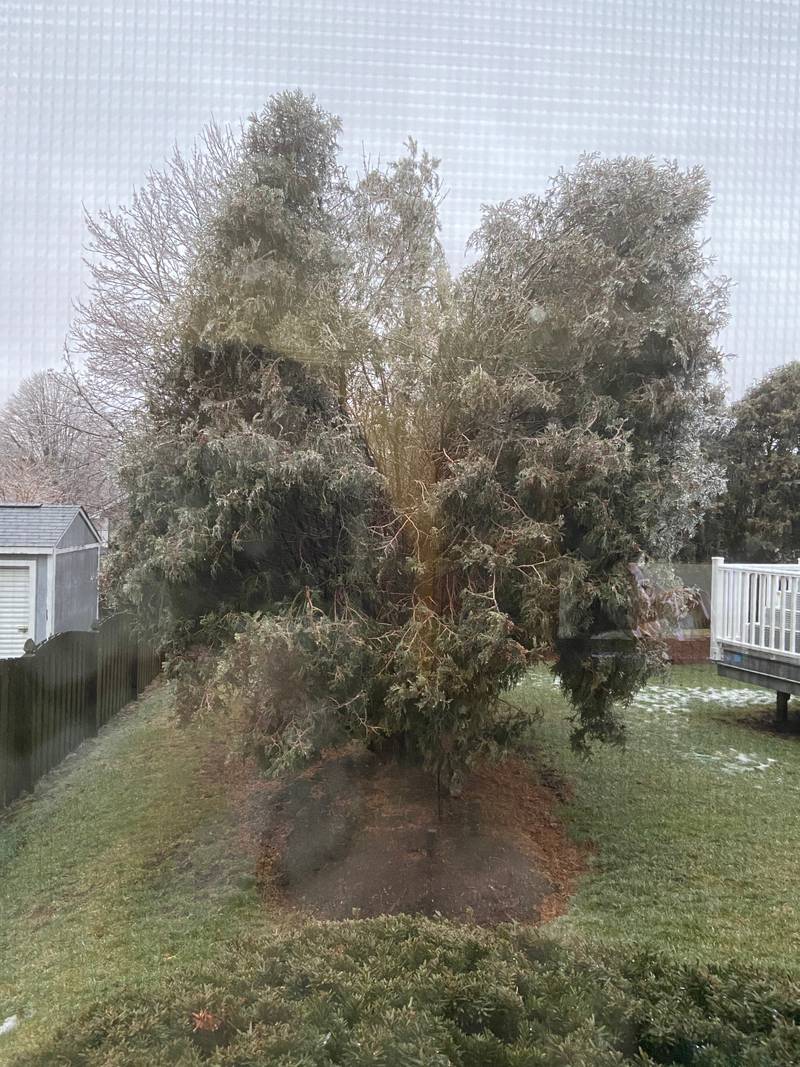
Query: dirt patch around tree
[{"x": 357, "y": 834}]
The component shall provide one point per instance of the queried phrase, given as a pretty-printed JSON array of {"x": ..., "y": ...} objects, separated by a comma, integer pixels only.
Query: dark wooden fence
[{"x": 55, "y": 697}]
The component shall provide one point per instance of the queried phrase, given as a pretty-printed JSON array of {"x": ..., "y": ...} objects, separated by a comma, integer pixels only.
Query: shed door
[{"x": 16, "y": 608}]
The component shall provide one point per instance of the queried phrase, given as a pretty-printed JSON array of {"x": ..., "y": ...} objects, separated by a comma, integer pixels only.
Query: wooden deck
[{"x": 755, "y": 625}]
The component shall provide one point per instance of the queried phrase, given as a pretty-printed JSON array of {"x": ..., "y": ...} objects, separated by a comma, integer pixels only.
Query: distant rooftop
[{"x": 35, "y": 525}]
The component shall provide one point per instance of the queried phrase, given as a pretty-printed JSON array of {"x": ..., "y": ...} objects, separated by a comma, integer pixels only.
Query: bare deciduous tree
[
  {"x": 138, "y": 257},
  {"x": 51, "y": 450}
]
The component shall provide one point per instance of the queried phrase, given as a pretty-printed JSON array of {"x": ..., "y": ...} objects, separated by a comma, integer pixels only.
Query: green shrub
[{"x": 405, "y": 992}]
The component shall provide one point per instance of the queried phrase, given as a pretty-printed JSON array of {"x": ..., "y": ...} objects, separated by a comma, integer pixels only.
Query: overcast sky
[{"x": 94, "y": 92}]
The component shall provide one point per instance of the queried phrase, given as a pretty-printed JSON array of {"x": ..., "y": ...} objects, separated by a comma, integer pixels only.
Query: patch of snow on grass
[
  {"x": 733, "y": 762},
  {"x": 679, "y": 698},
  {"x": 9, "y": 1024}
]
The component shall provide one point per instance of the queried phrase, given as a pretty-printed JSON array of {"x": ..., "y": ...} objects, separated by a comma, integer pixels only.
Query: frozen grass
[
  {"x": 124, "y": 871},
  {"x": 121, "y": 870},
  {"x": 696, "y": 823}
]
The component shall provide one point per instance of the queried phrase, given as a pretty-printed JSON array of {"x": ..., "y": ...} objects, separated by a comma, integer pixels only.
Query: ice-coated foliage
[
  {"x": 757, "y": 519},
  {"x": 235, "y": 504},
  {"x": 402, "y": 991},
  {"x": 383, "y": 493}
]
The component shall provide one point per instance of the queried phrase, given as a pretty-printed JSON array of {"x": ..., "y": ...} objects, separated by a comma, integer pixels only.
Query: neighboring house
[{"x": 49, "y": 562}]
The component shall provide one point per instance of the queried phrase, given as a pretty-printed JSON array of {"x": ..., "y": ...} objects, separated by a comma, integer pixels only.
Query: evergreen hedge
[{"x": 407, "y": 992}]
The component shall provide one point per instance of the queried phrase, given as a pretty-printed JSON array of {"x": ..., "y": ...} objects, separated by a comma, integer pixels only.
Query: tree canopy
[
  {"x": 383, "y": 491},
  {"x": 756, "y": 519}
]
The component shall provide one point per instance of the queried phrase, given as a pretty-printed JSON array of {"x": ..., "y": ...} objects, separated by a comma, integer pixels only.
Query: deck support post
[
  {"x": 717, "y": 608},
  {"x": 782, "y": 709}
]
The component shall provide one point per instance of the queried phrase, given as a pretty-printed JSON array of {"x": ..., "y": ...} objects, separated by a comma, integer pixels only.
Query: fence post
[
  {"x": 717, "y": 606},
  {"x": 6, "y": 762},
  {"x": 132, "y": 648},
  {"x": 90, "y": 687},
  {"x": 22, "y": 725},
  {"x": 102, "y": 677}
]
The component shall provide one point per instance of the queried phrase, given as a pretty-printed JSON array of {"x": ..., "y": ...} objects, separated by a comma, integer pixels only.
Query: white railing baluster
[
  {"x": 768, "y": 611},
  {"x": 785, "y": 583},
  {"x": 774, "y": 600},
  {"x": 730, "y": 613},
  {"x": 776, "y": 612},
  {"x": 740, "y": 605},
  {"x": 755, "y": 606}
]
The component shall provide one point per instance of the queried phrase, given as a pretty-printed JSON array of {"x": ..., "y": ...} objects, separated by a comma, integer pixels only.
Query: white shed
[{"x": 49, "y": 564}]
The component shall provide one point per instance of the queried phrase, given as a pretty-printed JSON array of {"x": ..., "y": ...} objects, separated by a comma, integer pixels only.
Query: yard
[
  {"x": 119, "y": 871},
  {"x": 695, "y": 823},
  {"x": 125, "y": 874}
]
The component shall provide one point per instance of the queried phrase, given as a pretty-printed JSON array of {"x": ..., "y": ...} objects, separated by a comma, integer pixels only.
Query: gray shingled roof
[{"x": 34, "y": 525}]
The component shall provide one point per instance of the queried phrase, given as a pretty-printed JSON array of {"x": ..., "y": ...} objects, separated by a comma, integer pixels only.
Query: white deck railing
[{"x": 755, "y": 606}]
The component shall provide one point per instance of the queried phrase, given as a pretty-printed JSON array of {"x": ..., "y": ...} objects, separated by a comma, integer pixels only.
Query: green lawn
[
  {"x": 696, "y": 823},
  {"x": 125, "y": 868}
]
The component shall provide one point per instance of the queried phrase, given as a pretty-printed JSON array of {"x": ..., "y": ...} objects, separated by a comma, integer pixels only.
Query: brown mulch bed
[{"x": 358, "y": 834}]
